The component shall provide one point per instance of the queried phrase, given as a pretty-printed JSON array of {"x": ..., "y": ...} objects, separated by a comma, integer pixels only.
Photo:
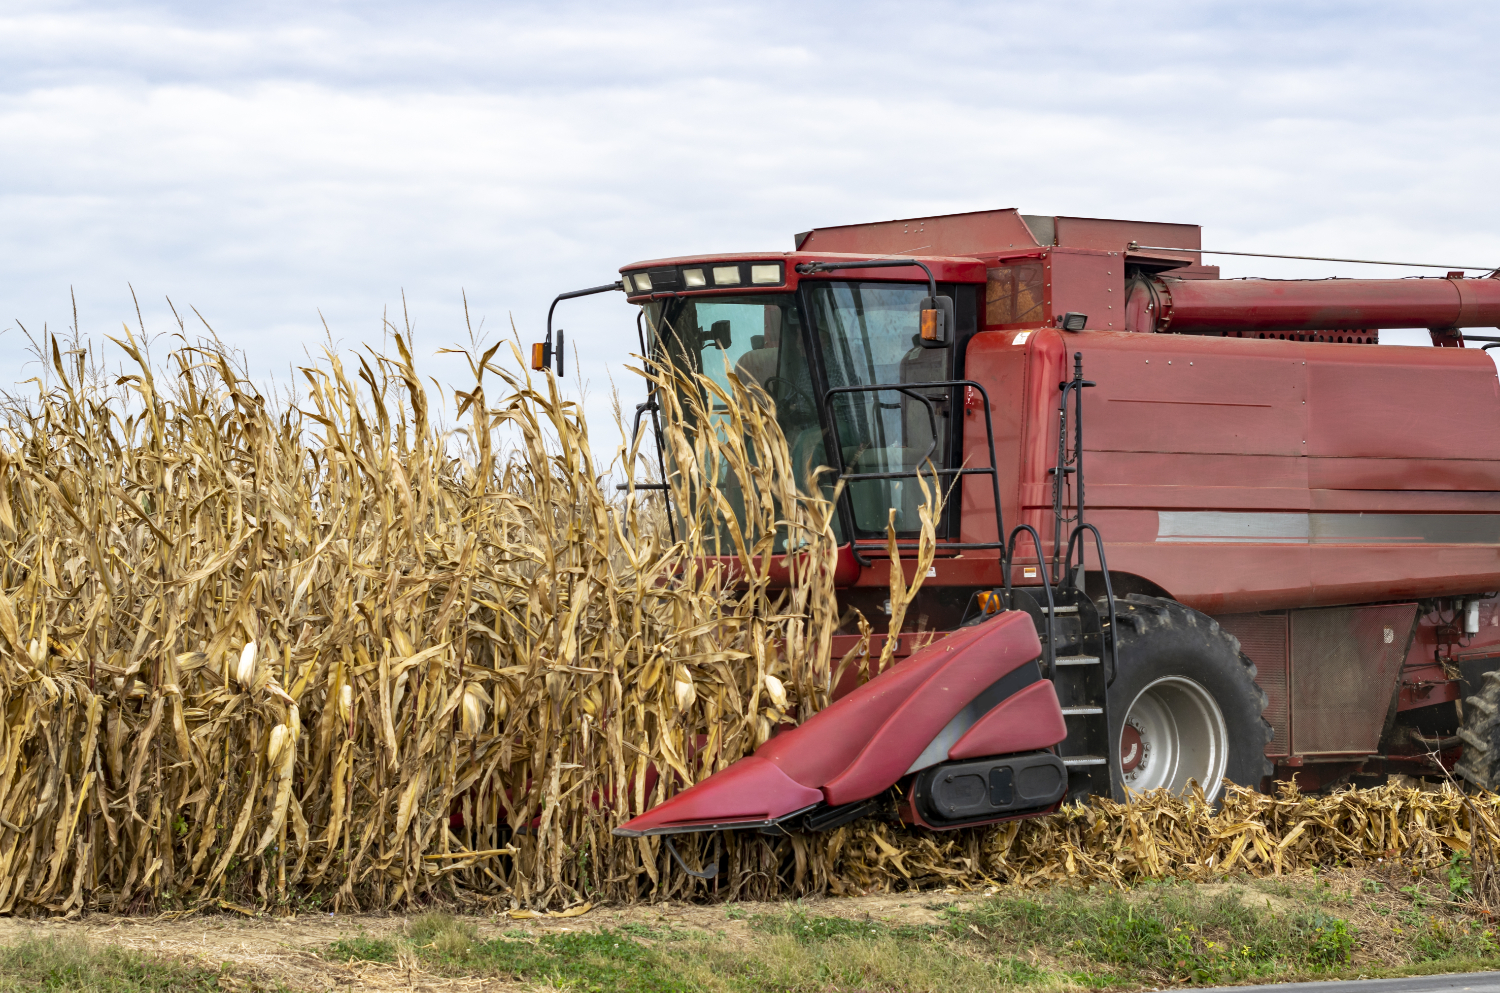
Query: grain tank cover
[{"x": 988, "y": 233}]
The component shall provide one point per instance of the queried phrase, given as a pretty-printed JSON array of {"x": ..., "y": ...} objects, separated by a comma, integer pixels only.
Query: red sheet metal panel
[
  {"x": 1188, "y": 396},
  {"x": 979, "y": 232},
  {"x": 1113, "y": 236},
  {"x": 994, "y": 361},
  {"x": 885, "y": 724},
  {"x": 751, "y": 789},
  {"x": 1083, "y": 281},
  {"x": 968, "y": 665},
  {"x": 1242, "y": 474},
  {"x": 1429, "y": 475},
  {"x": 1402, "y": 403},
  {"x": 1029, "y": 720}
]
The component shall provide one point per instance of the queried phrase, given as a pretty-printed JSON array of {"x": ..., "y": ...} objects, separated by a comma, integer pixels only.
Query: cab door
[{"x": 866, "y": 335}]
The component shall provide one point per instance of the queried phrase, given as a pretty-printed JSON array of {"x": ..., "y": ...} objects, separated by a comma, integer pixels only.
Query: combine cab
[{"x": 1285, "y": 565}]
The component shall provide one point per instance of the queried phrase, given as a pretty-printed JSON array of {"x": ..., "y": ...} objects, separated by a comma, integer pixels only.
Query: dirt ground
[{"x": 290, "y": 949}]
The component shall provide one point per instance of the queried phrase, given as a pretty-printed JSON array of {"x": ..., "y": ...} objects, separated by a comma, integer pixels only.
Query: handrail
[
  {"x": 1109, "y": 591},
  {"x": 653, "y": 408},
  {"x": 907, "y": 388},
  {"x": 1064, "y": 466},
  {"x": 1049, "y": 652},
  {"x": 901, "y": 388}
]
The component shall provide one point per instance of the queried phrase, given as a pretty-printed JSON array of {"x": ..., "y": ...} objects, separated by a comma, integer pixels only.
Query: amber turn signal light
[
  {"x": 929, "y": 325},
  {"x": 539, "y": 356}
]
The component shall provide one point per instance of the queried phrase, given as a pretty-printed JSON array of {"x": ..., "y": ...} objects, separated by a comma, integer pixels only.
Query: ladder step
[
  {"x": 1061, "y": 610},
  {"x": 1070, "y": 711},
  {"x": 1086, "y": 760},
  {"x": 1077, "y": 660}
]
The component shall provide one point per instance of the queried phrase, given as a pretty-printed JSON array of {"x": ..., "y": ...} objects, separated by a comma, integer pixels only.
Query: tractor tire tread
[
  {"x": 1139, "y": 617},
  {"x": 1480, "y": 732}
]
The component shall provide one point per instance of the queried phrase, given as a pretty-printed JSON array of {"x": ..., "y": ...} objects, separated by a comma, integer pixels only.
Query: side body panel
[
  {"x": 991, "y": 360},
  {"x": 1244, "y": 475},
  {"x": 1339, "y": 680},
  {"x": 1259, "y": 481}
]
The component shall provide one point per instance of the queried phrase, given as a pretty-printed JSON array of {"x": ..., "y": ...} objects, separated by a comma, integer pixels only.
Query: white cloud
[{"x": 264, "y": 161}]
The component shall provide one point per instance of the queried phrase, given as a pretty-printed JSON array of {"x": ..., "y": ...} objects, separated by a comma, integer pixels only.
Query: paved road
[{"x": 1467, "y": 982}]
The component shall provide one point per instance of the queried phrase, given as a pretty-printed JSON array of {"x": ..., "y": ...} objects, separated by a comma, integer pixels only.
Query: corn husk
[
  {"x": 244, "y": 671},
  {"x": 776, "y": 691}
]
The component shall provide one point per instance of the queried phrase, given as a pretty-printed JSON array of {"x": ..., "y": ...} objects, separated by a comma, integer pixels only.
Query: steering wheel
[{"x": 785, "y": 394}]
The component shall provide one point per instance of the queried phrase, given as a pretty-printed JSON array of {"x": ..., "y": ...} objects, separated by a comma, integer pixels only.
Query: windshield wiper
[{"x": 808, "y": 268}]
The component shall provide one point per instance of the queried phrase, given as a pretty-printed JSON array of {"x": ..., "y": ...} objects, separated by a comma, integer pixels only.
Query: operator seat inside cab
[
  {"x": 759, "y": 365},
  {"x": 791, "y": 388}
]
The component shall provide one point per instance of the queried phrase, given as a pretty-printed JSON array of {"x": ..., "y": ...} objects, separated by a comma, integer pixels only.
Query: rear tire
[
  {"x": 1184, "y": 704},
  {"x": 1480, "y": 732}
]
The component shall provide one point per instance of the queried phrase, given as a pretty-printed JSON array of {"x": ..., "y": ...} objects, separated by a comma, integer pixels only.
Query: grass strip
[
  {"x": 1156, "y": 934},
  {"x": 75, "y": 965}
]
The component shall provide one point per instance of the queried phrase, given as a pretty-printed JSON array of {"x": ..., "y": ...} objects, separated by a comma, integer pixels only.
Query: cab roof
[{"x": 668, "y": 276}]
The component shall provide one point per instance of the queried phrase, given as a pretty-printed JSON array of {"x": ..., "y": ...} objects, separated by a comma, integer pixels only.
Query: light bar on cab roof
[{"x": 704, "y": 276}]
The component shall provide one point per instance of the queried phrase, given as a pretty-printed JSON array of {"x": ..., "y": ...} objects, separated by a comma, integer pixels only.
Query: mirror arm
[{"x": 548, "y": 350}]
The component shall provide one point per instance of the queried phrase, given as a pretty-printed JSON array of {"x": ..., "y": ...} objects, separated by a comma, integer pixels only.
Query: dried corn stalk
[
  {"x": 264, "y": 656},
  {"x": 257, "y": 655}
]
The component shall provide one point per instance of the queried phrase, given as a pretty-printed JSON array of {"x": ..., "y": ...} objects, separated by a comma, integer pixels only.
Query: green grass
[
  {"x": 1177, "y": 934},
  {"x": 794, "y": 951},
  {"x": 73, "y": 965},
  {"x": 781, "y": 962},
  {"x": 1047, "y": 941},
  {"x": 362, "y": 948},
  {"x": 811, "y": 929},
  {"x": 608, "y": 960},
  {"x": 1166, "y": 935}
]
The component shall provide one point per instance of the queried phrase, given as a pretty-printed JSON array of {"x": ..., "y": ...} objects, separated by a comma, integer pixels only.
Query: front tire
[{"x": 1184, "y": 706}]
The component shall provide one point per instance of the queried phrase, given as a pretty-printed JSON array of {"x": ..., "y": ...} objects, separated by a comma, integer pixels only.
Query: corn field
[{"x": 325, "y": 652}]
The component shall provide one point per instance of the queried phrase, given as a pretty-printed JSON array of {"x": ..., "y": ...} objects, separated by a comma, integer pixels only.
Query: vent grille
[{"x": 1263, "y": 637}]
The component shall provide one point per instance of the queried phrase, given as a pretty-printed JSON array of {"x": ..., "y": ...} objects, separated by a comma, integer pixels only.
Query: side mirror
[
  {"x": 718, "y": 333},
  {"x": 937, "y": 322},
  {"x": 543, "y": 352}
]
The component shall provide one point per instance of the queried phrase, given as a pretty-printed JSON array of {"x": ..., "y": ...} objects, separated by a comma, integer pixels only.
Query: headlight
[
  {"x": 625, "y": 282},
  {"x": 765, "y": 274},
  {"x": 726, "y": 275},
  {"x": 694, "y": 278},
  {"x": 642, "y": 283}
]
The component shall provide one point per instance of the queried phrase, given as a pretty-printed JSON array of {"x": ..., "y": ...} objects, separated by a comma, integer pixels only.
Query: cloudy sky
[{"x": 268, "y": 163}]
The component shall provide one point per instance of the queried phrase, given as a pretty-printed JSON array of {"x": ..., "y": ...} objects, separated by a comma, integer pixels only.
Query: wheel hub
[
  {"x": 1174, "y": 734},
  {"x": 1132, "y": 749}
]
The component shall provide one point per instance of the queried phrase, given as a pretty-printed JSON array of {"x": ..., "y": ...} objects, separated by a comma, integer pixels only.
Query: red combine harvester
[{"x": 1286, "y": 564}]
